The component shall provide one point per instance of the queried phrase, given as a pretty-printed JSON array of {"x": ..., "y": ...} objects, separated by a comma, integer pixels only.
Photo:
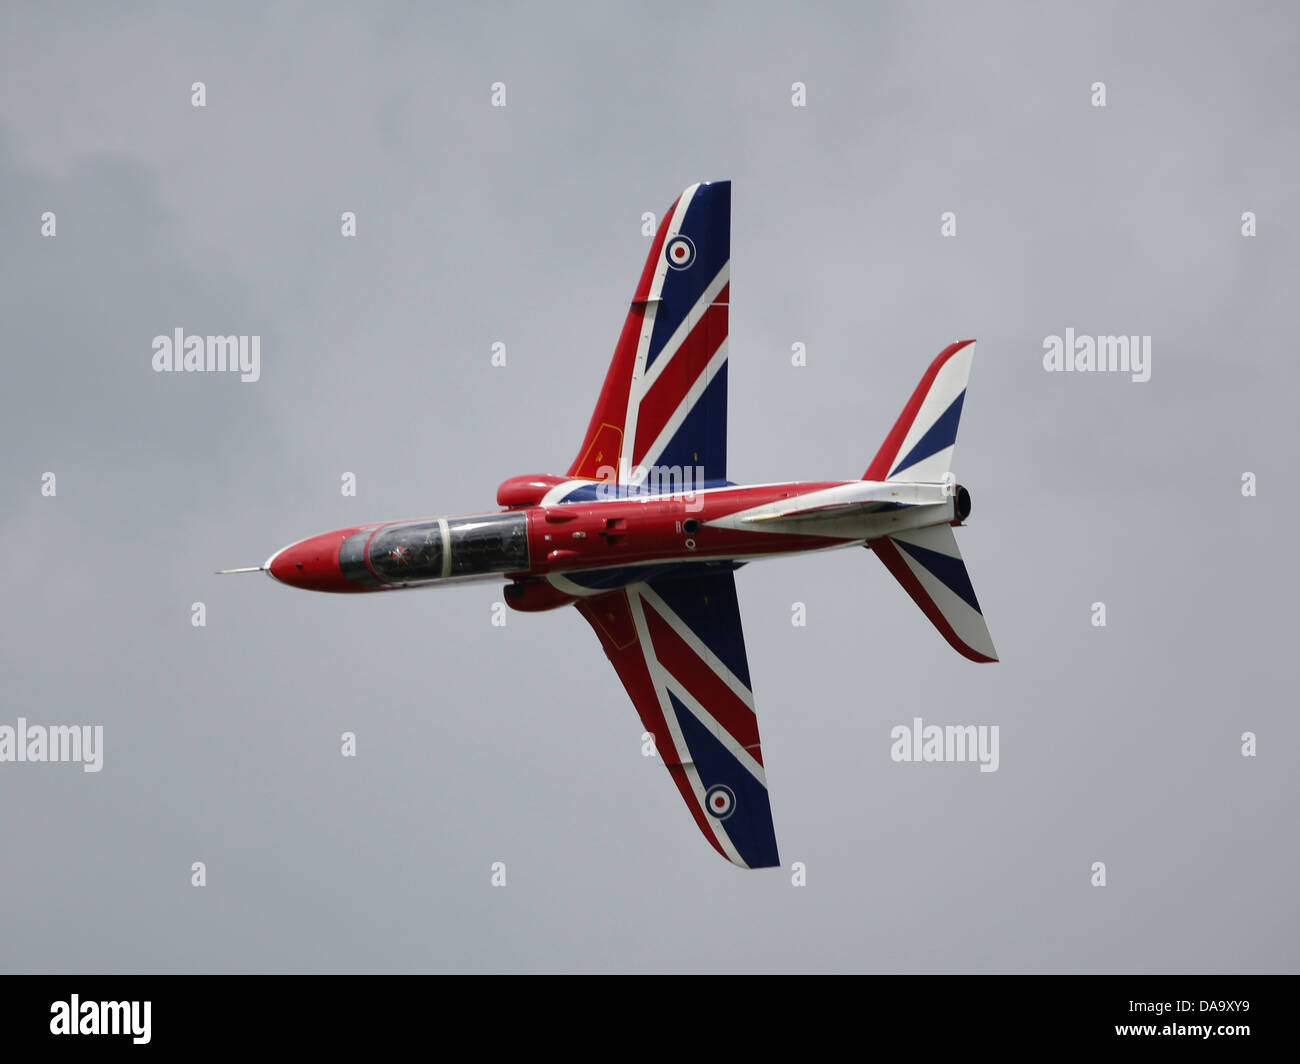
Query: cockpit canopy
[{"x": 418, "y": 551}]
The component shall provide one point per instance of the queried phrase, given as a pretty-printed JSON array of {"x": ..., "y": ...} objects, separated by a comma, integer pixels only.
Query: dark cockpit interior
[{"x": 489, "y": 543}]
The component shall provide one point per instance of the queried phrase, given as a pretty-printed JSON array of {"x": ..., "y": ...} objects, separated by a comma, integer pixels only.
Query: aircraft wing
[
  {"x": 664, "y": 401},
  {"x": 679, "y": 649}
]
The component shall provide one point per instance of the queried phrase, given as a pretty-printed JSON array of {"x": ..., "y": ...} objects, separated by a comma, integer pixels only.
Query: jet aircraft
[{"x": 644, "y": 532}]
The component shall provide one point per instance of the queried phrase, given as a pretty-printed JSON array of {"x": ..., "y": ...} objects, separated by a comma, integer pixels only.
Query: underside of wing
[
  {"x": 678, "y": 647},
  {"x": 664, "y": 401}
]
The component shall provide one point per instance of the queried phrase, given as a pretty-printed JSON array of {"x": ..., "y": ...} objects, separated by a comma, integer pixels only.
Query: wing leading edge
[{"x": 679, "y": 649}]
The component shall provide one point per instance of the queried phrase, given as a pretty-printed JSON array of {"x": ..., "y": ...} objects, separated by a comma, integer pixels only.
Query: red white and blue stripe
[
  {"x": 679, "y": 649},
  {"x": 664, "y": 402},
  {"x": 920, "y": 446}
]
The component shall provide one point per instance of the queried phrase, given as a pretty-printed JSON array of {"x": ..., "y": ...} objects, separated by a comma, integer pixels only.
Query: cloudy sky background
[{"x": 522, "y": 225}]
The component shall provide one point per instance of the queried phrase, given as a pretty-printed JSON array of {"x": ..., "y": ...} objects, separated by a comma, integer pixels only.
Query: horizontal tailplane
[{"x": 928, "y": 563}]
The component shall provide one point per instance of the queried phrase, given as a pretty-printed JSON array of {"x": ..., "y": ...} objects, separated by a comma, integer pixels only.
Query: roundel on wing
[
  {"x": 680, "y": 252},
  {"x": 720, "y": 801}
]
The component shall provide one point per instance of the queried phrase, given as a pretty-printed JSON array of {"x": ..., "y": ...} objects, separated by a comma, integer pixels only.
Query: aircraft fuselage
[{"x": 561, "y": 540}]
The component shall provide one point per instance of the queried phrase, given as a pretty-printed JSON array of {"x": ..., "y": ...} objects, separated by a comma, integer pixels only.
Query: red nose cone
[{"x": 313, "y": 564}]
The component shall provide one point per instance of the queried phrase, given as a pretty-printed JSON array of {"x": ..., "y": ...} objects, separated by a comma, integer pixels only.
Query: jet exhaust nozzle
[{"x": 962, "y": 503}]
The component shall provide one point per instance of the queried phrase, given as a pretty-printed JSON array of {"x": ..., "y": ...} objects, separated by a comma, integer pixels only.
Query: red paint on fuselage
[
  {"x": 647, "y": 528},
  {"x": 313, "y": 564},
  {"x": 596, "y": 535}
]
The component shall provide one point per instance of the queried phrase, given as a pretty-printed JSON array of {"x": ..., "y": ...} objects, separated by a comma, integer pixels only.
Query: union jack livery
[{"x": 644, "y": 532}]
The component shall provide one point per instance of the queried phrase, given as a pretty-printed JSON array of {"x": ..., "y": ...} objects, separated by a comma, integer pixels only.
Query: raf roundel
[
  {"x": 680, "y": 252},
  {"x": 720, "y": 801}
]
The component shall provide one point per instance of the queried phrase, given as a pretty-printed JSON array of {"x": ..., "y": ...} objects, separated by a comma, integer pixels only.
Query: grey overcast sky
[{"x": 522, "y": 225}]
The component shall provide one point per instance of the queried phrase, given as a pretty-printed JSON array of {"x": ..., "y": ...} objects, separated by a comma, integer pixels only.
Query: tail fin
[
  {"x": 920, "y": 445},
  {"x": 928, "y": 563}
]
